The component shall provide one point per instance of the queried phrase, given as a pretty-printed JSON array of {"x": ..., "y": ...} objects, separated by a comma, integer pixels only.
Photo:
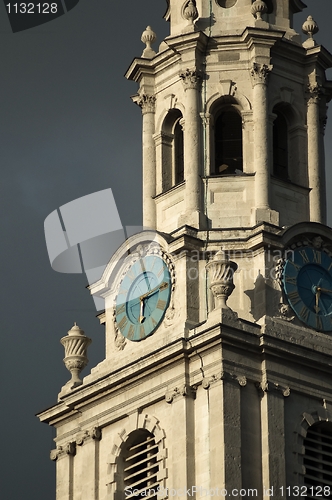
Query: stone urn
[
  {"x": 75, "y": 344},
  {"x": 221, "y": 271}
]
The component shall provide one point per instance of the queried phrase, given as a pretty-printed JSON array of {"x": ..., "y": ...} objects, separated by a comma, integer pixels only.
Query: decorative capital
[
  {"x": 314, "y": 93},
  {"x": 260, "y": 73},
  {"x": 271, "y": 386},
  {"x": 221, "y": 270},
  {"x": 184, "y": 390},
  {"x": 148, "y": 37},
  {"x": 145, "y": 102},
  {"x": 54, "y": 454},
  {"x": 191, "y": 78}
]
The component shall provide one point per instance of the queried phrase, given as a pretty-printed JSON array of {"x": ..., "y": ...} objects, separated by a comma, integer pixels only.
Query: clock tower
[{"x": 218, "y": 316}]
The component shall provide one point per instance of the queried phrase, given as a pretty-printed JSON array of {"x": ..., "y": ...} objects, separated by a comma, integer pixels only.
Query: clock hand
[
  {"x": 324, "y": 290},
  {"x": 141, "y": 317},
  {"x": 317, "y": 308},
  {"x": 161, "y": 286}
]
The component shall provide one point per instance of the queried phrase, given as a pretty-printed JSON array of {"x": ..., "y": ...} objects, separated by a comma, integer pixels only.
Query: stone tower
[{"x": 218, "y": 318}]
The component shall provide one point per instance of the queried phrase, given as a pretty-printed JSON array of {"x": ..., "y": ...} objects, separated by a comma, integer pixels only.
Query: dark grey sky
[{"x": 68, "y": 128}]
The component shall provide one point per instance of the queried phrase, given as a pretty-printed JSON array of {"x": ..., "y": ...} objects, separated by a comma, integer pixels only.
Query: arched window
[
  {"x": 172, "y": 150},
  {"x": 318, "y": 459},
  {"x": 139, "y": 466},
  {"x": 280, "y": 146},
  {"x": 228, "y": 143},
  {"x": 178, "y": 153}
]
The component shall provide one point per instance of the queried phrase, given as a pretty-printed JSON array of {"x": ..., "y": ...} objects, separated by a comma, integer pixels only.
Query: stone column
[
  {"x": 64, "y": 457},
  {"x": 191, "y": 81},
  {"x": 273, "y": 438},
  {"x": 315, "y": 168},
  {"x": 259, "y": 74},
  {"x": 147, "y": 104},
  {"x": 87, "y": 470}
]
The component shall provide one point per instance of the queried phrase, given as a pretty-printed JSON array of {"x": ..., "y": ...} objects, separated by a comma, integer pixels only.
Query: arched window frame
[
  {"x": 220, "y": 110},
  {"x": 172, "y": 144},
  {"x": 308, "y": 419},
  {"x": 115, "y": 479}
]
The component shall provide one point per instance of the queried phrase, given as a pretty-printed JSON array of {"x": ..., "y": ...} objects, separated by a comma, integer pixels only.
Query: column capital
[
  {"x": 191, "y": 78},
  {"x": 260, "y": 73},
  {"x": 314, "y": 93},
  {"x": 146, "y": 102}
]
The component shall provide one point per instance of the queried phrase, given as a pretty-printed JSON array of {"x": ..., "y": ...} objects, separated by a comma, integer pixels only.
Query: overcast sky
[{"x": 68, "y": 129}]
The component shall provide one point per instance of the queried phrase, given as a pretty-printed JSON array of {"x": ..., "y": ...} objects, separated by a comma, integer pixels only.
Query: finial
[
  {"x": 258, "y": 8},
  {"x": 75, "y": 344},
  {"x": 190, "y": 12},
  {"x": 148, "y": 37},
  {"x": 310, "y": 28}
]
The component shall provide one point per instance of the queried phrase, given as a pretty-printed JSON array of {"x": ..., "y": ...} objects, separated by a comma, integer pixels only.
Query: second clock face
[
  {"x": 307, "y": 283},
  {"x": 143, "y": 298}
]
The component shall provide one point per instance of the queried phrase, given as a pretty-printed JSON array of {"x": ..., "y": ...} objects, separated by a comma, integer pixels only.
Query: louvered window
[
  {"x": 140, "y": 467},
  {"x": 318, "y": 458}
]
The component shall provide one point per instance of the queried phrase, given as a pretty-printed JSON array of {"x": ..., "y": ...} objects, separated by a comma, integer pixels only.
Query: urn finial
[
  {"x": 310, "y": 28},
  {"x": 75, "y": 344},
  {"x": 221, "y": 270},
  {"x": 258, "y": 8},
  {"x": 148, "y": 37}
]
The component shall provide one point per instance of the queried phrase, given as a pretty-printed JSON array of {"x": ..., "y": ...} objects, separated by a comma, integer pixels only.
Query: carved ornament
[
  {"x": 184, "y": 391},
  {"x": 191, "y": 78},
  {"x": 146, "y": 102},
  {"x": 314, "y": 93},
  {"x": 260, "y": 73}
]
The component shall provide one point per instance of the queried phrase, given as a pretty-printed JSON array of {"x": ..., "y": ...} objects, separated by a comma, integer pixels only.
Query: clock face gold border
[
  {"x": 307, "y": 283},
  {"x": 143, "y": 297}
]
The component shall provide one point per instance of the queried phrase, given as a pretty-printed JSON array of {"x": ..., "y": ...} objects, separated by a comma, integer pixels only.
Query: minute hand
[
  {"x": 324, "y": 290},
  {"x": 154, "y": 290}
]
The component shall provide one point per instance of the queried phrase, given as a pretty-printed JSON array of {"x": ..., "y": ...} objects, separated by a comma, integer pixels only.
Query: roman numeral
[
  {"x": 142, "y": 332},
  {"x": 319, "y": 325},
  {"x": 330, "y": 266},
  {"x": 304, "y": 313},
  {"x": 297, "y": 267},
  {"x": 123, "y": 292},
  {"x": 317, "y": 257},
  {"x": 294, "y": 297},
  {"x": 131, "y": 332},
  {"x": 161, "y": 304},
  {"x": 123, "y": 323},
  {"x": 153, "y": 321},
  {"x": 131, "y": 274},
  {"x": 160, "y": 272},
  {"x": 304, "y": 256},
  {"x": 291, "y": 281},
  {"x": 121, "y": 309}
]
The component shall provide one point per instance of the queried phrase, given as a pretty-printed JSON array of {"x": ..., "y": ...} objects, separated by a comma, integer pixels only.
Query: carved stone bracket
[
  {"x": 191, "y": 78},
  {"x": 81, "y": 437},
  {"x": 184, "y": 391},
  {"x": 146, "y": 102},
  {"x": 55, "y": 454},
  {"x": 207, "y": 381},
  {"x": 260, "y": 73},
  {"x": 94, "y": 433},
  {"x": 266, "y": 386}
]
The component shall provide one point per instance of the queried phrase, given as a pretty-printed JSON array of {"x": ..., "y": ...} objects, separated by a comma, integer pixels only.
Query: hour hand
[
  {"x": 141, "y": 310},
  {"x": 317, "y": 308},
  {"x": 324, "y": 290}
]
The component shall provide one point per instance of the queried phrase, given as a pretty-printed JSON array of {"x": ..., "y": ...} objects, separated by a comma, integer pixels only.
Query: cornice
[{"x": 319, "y": 55}]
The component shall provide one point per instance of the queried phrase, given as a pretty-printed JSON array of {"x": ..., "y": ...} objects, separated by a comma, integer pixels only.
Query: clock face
[
  {"x": 143, "y": 298},
  {"x": 307, "y": 281}
]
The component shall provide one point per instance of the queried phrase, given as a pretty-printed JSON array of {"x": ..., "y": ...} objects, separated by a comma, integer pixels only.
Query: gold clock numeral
[
  {"x": 123, "y": 292},
  {"x": 160, "y": 272},
  {"x": 317, "y": 257},
  {"x": 304, "y": 256},
  {"x": 291, "y": 281},
  {"x": 121, "y": 309},
  {"x": 153, "y": 263},
  {"x": 297, "y": 267},
  {"x": 319, "y": 324},
  {"x": 161, "y": 304},
  {"x": 123, "y": 323},
  {"x": 153, "y": 321},
  {"x": 131, "y": 274},
  {"x": 294, "y": 297},
  {"x": 142, "y": 265},
  {"x": 142, "y": 332},
  {"x": 131, "y": 332},
  {"x": 330, "y": 266},
  {"x": 304, "y": 313}
]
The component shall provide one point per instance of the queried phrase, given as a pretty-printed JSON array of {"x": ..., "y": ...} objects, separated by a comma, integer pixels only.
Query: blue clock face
[
  {"x": 307, "y": 281},
  {"x": 143, "y": 298}
]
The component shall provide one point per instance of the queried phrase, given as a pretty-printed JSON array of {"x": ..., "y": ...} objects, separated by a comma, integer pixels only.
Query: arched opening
[
  {"x": 228, "y": 143},
  {"x": 280, "y": 145},
  {"x": 138, "y": 466},
  {"x": 318, "y": 459},
  {"x": 172, "y": 150}
]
